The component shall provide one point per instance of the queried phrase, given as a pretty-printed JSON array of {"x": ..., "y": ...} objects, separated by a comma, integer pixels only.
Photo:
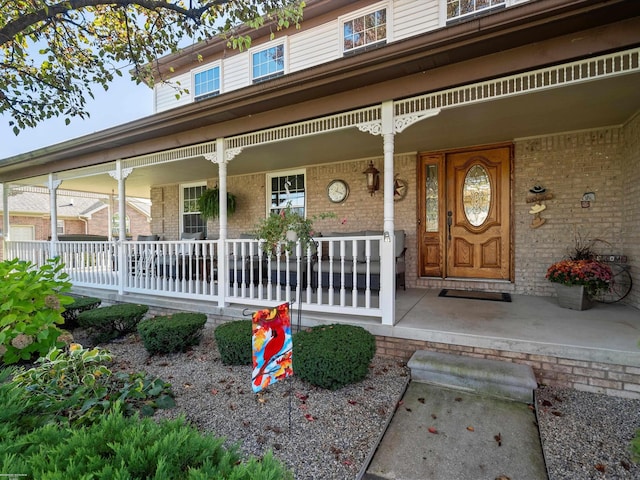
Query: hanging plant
[{"x": 209, "y": 203}]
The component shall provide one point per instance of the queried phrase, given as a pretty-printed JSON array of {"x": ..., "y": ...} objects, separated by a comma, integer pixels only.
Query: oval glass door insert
[{"x": 476, "y": 195}]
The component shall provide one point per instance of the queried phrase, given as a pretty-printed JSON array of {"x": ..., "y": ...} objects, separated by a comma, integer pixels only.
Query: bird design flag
[{"x": 272, "y": 346}]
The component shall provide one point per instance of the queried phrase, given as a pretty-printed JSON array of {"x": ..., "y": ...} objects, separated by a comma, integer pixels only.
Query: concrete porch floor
[{"x": 607, "y": 333}]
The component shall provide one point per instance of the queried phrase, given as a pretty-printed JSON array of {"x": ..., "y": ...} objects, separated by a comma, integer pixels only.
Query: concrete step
[{"x": 493, "y": 378}]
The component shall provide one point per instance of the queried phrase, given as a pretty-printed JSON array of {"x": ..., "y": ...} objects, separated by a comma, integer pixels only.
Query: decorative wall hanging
[
  {"x": 400, "y": 188},
  {"x": 272, "y": 346},
  {"x": 537, "y": 195}
]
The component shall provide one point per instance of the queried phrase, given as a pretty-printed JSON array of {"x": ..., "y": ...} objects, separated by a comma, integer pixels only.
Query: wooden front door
[{"x": 464, "y": 218}]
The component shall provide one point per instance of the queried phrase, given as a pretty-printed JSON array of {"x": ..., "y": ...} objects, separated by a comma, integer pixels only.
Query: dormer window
[
  {"x": 206, "y": 83},
  {"x": 267, "y": 63},
  {"x": 365, "y": 31},
  {"x": 457, "y": 9}
]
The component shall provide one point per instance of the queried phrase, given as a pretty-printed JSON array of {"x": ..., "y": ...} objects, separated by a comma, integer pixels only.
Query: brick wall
[
  {"x": 631, "y": 204},
  {"x": 567, "y": 165},
  {"x": 609, "y": 379}
]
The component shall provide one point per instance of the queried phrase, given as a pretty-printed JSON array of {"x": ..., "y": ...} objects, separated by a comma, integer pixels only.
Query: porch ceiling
[{"x": 607, "y": 102}]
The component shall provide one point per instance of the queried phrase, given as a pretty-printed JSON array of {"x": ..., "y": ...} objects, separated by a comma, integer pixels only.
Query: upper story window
[
  {"x": 268, "y": 63},
  {"x": 365, "y": 30},
  {"x": 287, "y": 188},
  {"x": 206, "y": 83},
  {"x": 462, "y": 8}
]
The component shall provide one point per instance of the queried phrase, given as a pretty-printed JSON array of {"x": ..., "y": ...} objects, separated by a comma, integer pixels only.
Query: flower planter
[{"x": 574, "y": 297}]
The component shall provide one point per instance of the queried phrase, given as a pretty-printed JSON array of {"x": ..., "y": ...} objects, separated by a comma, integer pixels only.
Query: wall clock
[
  {"x": 337, "y": 191},
  {"x": 400, "y": 188}
]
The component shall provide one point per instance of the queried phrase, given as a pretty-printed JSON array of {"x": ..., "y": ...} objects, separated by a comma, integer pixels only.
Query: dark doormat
[{"x": 475, "y": 295}]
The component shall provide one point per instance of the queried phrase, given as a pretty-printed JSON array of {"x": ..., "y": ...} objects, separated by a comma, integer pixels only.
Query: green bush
[
  {"x": 76, "y": 386},
  {"x": 234, "y": 342},
  {"x": 333, "y": 356},
  {"x": 174, "y": 333},
  {"x": 119, "y": 447},
  {"x": 107, "y": 323},
  {"x": 31, "y": 305},
  {"x": 79, "y": 305}
]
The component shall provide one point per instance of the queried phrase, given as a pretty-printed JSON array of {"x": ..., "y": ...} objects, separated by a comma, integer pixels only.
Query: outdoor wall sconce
[{"x": 373, "y": 178}]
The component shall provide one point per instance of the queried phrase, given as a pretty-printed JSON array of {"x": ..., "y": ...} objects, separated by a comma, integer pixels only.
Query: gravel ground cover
[
  {"x": 586, "y": 435},
  {"x": 327, "y": 435}
]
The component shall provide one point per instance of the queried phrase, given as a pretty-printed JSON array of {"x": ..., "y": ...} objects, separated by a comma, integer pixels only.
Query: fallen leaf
[
  {"x": 302, "y": 396},
  {"x": 187, "y": 385},
  {"x": 347, "y": 462},
  {"x": 471, "y": 429},
  {"x": 262, "y": 400},
  {"x": 547, "y": 403},
  {"x": 421, "y": 400},
  {"x": 352, "y": 402},
  {"x": 433, "y": 430},
  {"x": 407, "y": 409},
  {"x": 556, "y": 413},
  {"x": 600, "y": 467},
  {"x": 502, "y": 477},
  {"x": 214, "y": 391},
  {"x": 309, "y": 417},
  {"x": 498, "y": 438},
  {"x": 625, "y": 465}
]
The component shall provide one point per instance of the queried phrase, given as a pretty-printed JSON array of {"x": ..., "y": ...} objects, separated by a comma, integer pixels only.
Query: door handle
[{"x": 449, "y": 222}]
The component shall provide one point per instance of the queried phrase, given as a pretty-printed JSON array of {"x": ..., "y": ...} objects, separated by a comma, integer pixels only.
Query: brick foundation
[{"x": 609, "y": 379}]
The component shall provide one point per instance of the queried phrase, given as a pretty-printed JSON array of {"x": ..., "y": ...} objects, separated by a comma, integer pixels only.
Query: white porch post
[
  {"x": 120, "y": 175},
  {"x": 5, "y": 217},
  {"x": 387, "y": 250},
  {"x": 53, "y": 206}
]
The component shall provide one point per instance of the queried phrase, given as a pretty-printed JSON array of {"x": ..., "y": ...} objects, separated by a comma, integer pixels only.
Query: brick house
[{"x": 471, "y": 112}]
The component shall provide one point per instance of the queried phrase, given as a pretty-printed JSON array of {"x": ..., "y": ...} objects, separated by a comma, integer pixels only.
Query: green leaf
[{"x": 165, "y": 401}]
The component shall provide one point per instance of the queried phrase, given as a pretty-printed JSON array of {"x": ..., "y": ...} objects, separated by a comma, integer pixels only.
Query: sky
[{"x": 123, "y": 102}]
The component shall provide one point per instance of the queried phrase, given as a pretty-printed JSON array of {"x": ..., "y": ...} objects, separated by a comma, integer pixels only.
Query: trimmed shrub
[
  {"x": 75, "y": 386},
  {"x": 107, "y": 323},
  {"x": 333, "y": 356},
  {"x": 31, "y": 308},
  {"x": 119, "y": 447},
  {"x": 234, "y": 342},
  {"x": 174, "y": 333},
  {"x": 79, "y": 305}
]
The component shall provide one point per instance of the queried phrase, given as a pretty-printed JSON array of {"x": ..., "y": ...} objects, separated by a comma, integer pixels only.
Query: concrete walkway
[{"x": 442, "y": 434}]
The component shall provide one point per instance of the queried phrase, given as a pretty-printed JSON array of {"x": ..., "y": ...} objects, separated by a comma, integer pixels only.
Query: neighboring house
[
  {"x": 80, "y": 215},
  {"x": 463, "y": 113}
]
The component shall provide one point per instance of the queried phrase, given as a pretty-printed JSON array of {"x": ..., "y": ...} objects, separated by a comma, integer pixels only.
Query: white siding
[
  {"x": 314, "y": 47},
  {"x": 165, "y": 95},
  {"x": 236, "y": 72},
  {"x": 318, "y": 45},
  {"x": 412, "y": 17}
]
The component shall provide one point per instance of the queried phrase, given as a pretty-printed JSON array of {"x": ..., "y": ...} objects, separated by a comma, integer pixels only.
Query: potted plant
[
  {"x": 578, "y": 281},
  {"x": 281, "y": 231},
  {"x": 209, "y": 203}
]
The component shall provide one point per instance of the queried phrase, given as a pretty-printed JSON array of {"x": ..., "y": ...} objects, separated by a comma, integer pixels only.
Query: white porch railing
[{"x": 339, "y": 275}]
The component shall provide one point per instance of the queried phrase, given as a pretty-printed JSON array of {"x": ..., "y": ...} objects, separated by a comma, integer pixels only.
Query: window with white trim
[
  {"x": 267, "y": 63},
  {"x": 206, "y": 83},
  {"x": 465, "y": 8},
  {"x": 364, "y": 31},
  {"x": 287, "y": 188},
  {"x": 60, "y": 227},
  {"x": 190, "y": 219}
]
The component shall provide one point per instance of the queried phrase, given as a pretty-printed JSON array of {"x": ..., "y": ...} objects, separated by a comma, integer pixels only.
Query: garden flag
[{"x": 272, "y": 346}]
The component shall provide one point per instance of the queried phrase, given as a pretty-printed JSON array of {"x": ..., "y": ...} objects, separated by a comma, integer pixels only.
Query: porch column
[
  {"x": 120, "y": 175},
  {"x": 387, "y": 250},
  {"x": 53, "y": 207},
  {"x": 5, "y": 216}
]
